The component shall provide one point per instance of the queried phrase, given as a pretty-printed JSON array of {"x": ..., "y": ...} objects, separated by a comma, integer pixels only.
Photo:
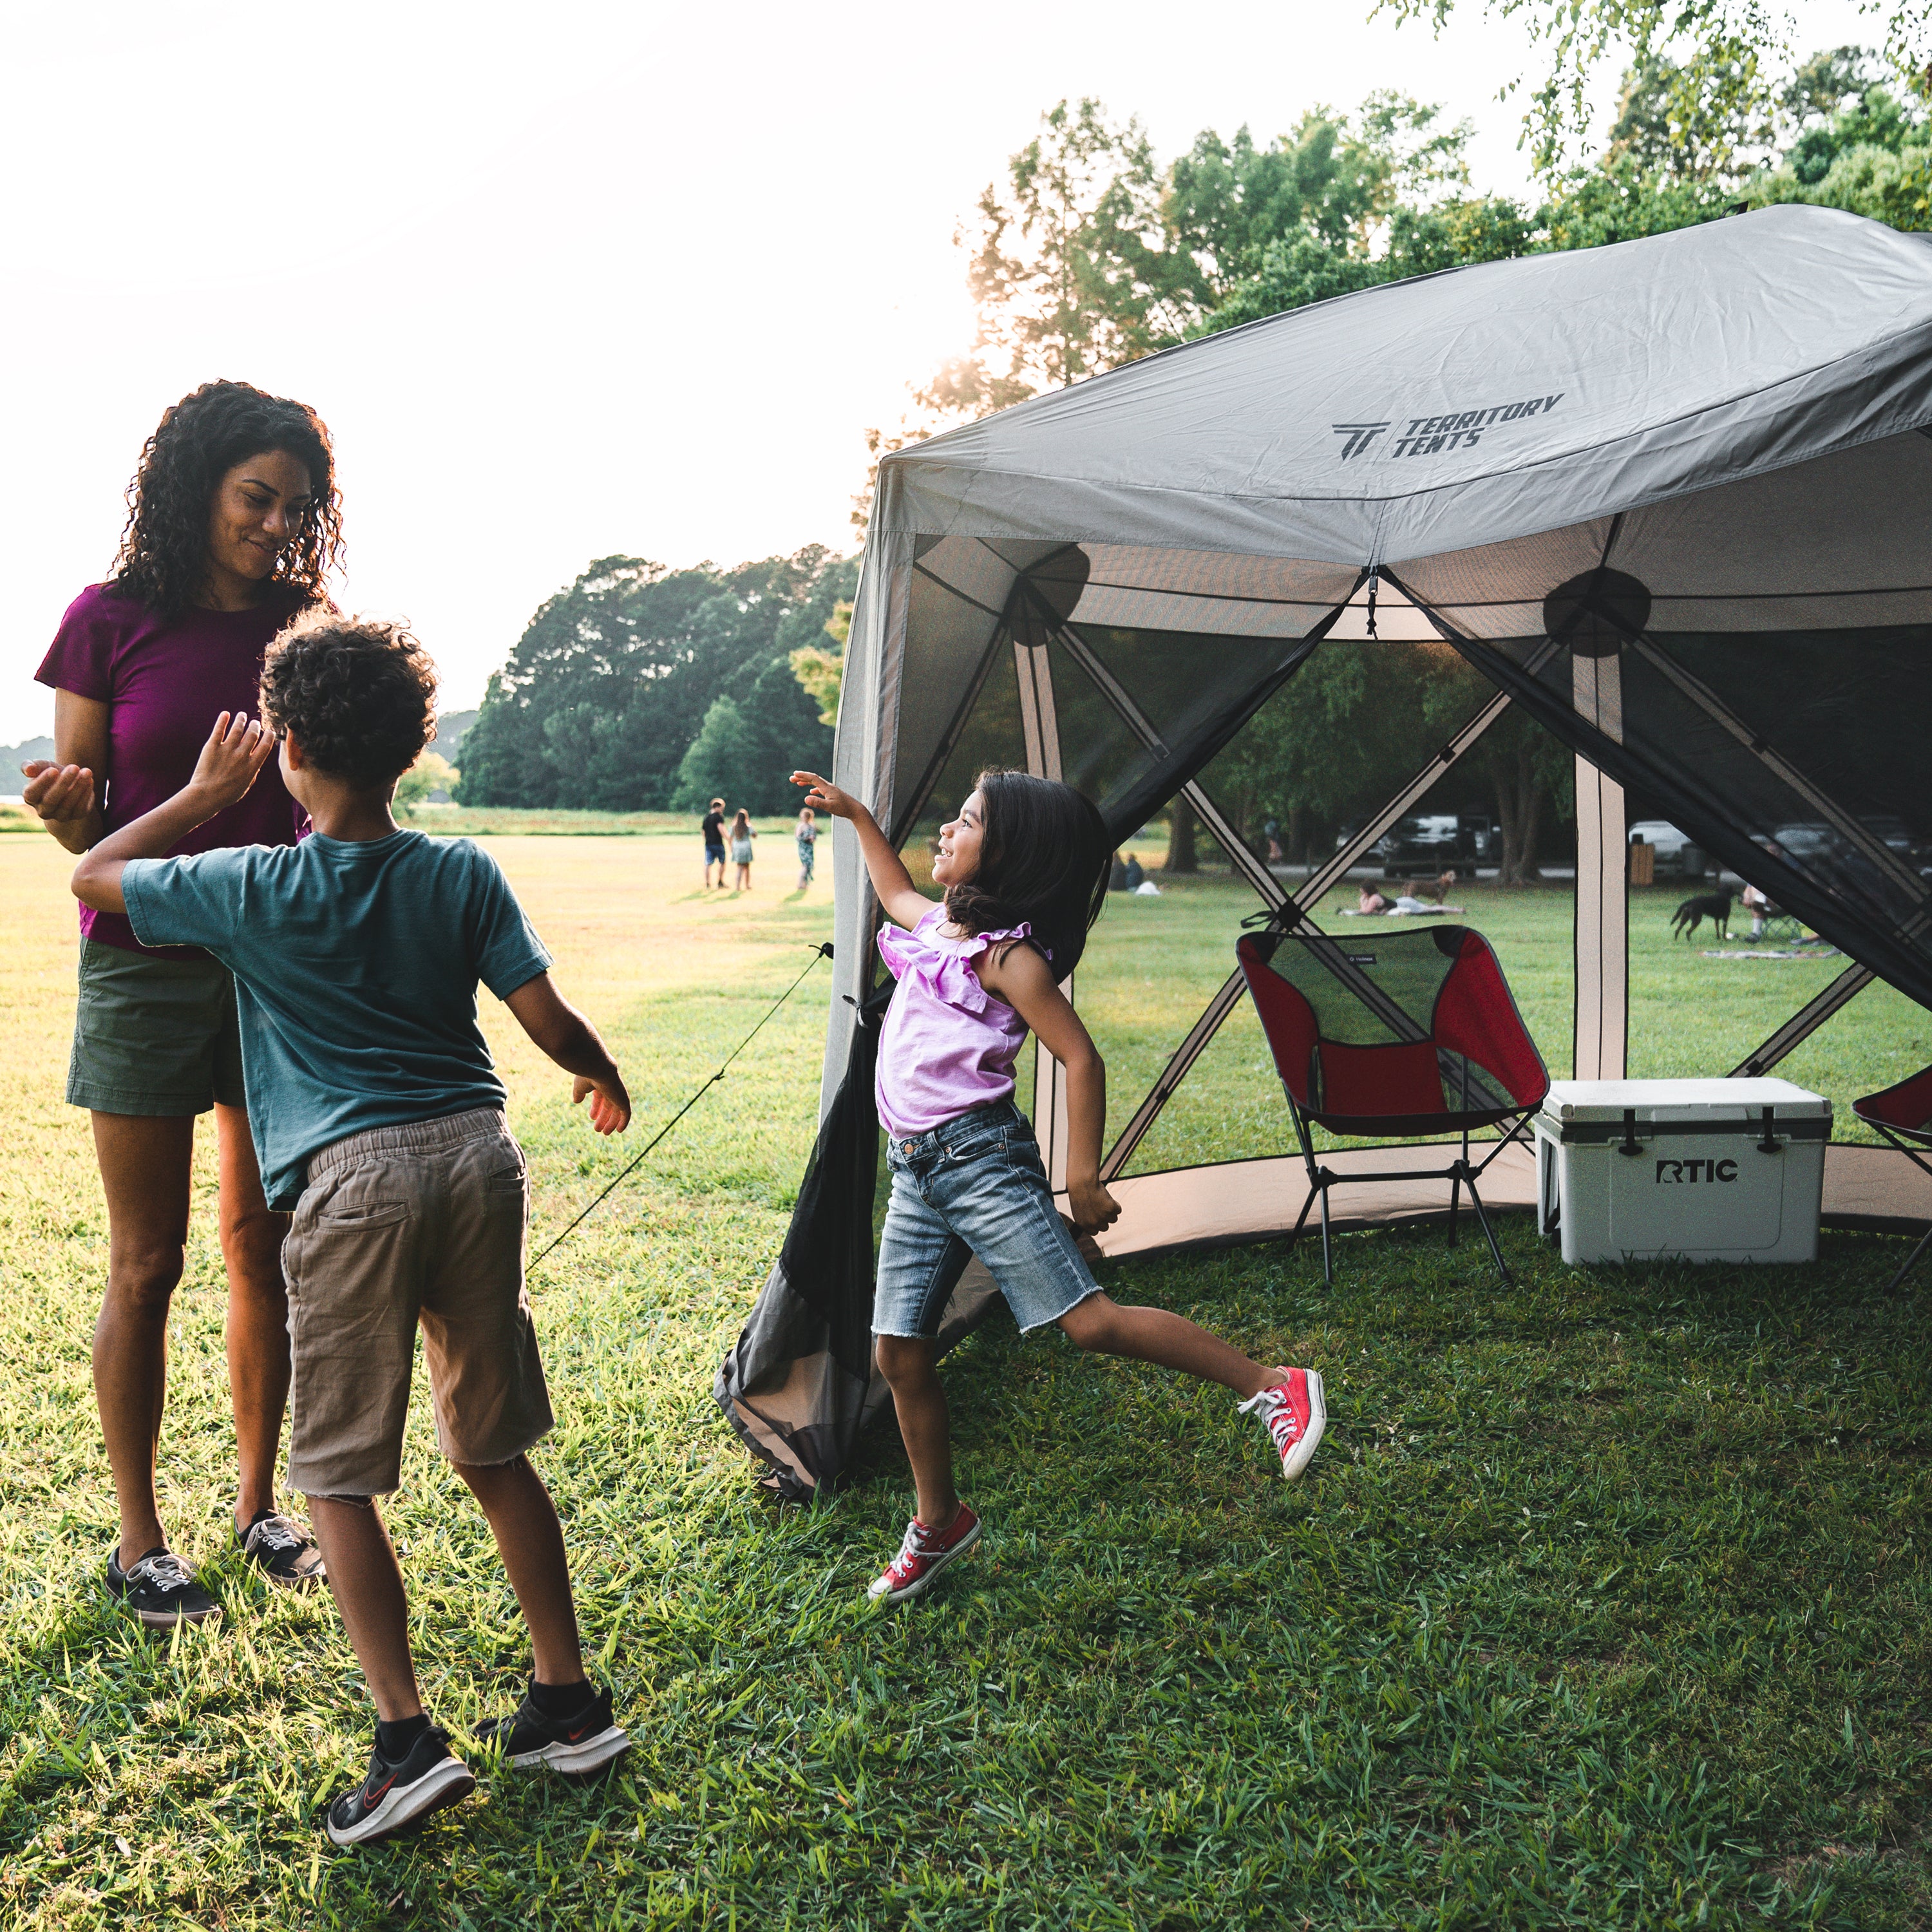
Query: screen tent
[{"x": 1669, "y": 498}]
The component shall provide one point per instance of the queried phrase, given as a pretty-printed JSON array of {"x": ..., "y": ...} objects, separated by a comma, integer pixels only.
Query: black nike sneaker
[
  {"x": 584, "y": 1742},
  {"x": 428, "y": 1777},
  {"x": 159, "y": 1590}
]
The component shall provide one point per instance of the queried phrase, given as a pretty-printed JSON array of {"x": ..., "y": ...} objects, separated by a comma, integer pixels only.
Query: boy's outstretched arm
[
  {"x": 903, "y": 901},
  {"x": 237, "y": 749},
  {"x": 572, "y": 1041}
]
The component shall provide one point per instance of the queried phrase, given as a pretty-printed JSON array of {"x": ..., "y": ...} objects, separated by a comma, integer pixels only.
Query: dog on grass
[{"x": 1716, "y": 907}]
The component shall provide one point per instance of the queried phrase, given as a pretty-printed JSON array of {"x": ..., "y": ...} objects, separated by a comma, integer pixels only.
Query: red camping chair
[
  {"x": 1903, "y": 1114},
  {"x": 1408, "y": 1035}
]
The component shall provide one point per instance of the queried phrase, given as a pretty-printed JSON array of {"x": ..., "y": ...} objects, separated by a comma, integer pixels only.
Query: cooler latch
[
  {"x": 1770, "y": 1143},
  {"x": 1629, "y": 1145}
]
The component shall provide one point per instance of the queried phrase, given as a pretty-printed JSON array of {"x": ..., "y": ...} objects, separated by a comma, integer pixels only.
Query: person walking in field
[
  {"x": 806, "y": 833},
  {"x": 714, "y": 843},
  {"x": 1024, "y": 870},
  {"x": 234, "y": 524},
  {"x": 379, "y": 1116},
  {"x": 742, "y": 835}
]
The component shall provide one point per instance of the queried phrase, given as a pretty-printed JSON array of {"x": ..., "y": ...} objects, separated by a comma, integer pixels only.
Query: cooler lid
[{"x": 1682, "y": 1100}]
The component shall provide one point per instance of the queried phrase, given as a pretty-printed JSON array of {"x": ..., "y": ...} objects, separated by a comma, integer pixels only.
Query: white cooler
[{"x": 1690, "y": 1170}]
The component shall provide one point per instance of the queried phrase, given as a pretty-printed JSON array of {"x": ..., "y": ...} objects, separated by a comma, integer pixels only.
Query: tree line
[{"x": 640, "y": 687}]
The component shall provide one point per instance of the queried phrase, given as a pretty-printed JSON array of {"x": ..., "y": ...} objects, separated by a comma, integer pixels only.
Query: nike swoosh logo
[
  {"x": 373, "y": 1798},
  {"x": 571, "y": 1737}
]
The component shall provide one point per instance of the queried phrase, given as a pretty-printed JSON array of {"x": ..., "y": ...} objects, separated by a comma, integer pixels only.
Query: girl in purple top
[
  {"x": 1024, "y": 867},
  {"x": 233, "y": 523}
]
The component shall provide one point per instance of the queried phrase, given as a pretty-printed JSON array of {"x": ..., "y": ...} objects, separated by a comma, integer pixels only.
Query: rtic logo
[
  {"x": 1429, "y": 436},
  {"x": 1686, "y": 1171}
]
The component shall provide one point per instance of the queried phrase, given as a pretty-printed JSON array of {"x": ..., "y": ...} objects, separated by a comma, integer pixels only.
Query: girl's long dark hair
[
  {"x": 1044, "y": 857},
  {"x": 164, "y": 548}
]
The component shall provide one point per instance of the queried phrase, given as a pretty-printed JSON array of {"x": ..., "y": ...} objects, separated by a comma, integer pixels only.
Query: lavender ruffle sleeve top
[{"x": 949, "y": 1045}]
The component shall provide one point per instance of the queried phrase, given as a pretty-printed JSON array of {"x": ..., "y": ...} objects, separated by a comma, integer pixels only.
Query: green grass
[{"x": 1606, "y": 1603}]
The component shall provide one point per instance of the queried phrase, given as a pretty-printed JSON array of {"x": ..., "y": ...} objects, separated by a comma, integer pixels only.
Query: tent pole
[
  {"x": 1600, "y": 1030},
  {"x": 1040, "y": 724}
]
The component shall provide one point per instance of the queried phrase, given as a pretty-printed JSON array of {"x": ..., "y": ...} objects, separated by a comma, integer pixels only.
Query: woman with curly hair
[{"x": 233, "y": 523}]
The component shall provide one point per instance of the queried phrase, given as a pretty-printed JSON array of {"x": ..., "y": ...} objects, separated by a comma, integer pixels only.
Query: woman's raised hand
[
  {"x": 822, "y": 795},
  {"x": 237, "y": 749},
  {"x": 60, "y": 793}
]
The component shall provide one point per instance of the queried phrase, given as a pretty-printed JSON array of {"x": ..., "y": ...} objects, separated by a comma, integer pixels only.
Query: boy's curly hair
[{"x": 358, "y": 694}]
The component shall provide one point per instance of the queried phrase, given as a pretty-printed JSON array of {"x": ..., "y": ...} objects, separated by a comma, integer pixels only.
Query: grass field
[{"x": 1606, "y": 1603}]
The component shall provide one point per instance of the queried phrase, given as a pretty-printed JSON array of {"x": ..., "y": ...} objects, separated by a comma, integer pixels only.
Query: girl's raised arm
[{"x": 904, "y": 902}]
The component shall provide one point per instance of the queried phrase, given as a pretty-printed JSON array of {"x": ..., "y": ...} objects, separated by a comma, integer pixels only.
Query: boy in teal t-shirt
[{"x": 378, "y": 1118}]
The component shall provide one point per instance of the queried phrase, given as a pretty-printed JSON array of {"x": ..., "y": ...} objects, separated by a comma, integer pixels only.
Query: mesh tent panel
[{"x": 1788, "y": 758}]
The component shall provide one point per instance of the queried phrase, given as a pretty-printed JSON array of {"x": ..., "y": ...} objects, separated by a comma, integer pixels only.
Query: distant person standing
[
  {"x": 714, "y": 843},
  {"x": 234, "y": 523},
  {"x": 806, "y": 832},
  {"x": 742, "y": 835}
]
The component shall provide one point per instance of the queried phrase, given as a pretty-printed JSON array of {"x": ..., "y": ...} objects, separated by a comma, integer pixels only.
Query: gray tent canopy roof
[{"x": 1466, "y": 408}]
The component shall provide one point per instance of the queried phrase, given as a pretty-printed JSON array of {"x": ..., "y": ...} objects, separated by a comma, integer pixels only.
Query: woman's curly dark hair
[
  {"x": 1044, "y": 858},
  {"x": 358, "y": 694},
  {"x": 164, "y": 548}
]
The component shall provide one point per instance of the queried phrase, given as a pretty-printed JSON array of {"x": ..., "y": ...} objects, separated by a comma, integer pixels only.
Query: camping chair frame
[
  {"x": 1912, "y": 1099},
  {"x": 1459, "y": 1174},
  {"x": 1527, "y": 1080}
]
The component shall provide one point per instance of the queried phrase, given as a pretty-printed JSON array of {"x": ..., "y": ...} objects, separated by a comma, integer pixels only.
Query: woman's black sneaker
[
  {"x": 283, "y": 1550},
  {"x": 159, "y": 1590},
  {"x": 584, "y": 1742},
  {"x": 428, "y": 1777}
]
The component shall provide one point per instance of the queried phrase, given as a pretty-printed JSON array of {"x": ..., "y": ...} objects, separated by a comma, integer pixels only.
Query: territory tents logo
[{"x": 1430, "y": 436}]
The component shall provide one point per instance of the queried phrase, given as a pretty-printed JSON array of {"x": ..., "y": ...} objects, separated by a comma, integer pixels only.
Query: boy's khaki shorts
[{"x": 398, "y": 1226}]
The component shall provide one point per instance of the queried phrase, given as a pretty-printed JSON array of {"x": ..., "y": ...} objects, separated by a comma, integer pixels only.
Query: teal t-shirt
[{"x": 356, "y": 963}]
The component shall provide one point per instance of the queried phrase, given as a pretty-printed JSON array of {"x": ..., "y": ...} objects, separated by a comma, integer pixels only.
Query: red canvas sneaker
[
  {"x": 1293, "y": 1414},
  {"x": 923, "y": 1554}
]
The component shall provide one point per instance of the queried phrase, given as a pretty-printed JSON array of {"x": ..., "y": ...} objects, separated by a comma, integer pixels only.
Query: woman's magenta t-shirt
[{"x": 167, "y": 678}]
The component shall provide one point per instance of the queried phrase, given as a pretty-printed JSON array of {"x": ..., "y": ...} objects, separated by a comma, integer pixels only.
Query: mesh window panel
[
  {"x": 1229, "y": 1108},
  {"x": 991, "y": 737},
  {"x": 1791, "y": 759}
]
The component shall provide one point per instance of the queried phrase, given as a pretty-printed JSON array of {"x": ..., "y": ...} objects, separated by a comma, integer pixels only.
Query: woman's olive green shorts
[{"x": 153, "y": 1036}]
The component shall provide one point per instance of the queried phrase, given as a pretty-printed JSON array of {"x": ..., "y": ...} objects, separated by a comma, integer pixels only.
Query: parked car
[
  {"x": 1809, "y": 843},
  {"x": 1427, "y": 843},
  {"x": 1664, "y": 839}
]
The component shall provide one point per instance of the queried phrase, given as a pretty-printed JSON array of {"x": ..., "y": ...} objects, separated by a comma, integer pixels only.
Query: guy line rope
[{"x": 820, "y": 952}]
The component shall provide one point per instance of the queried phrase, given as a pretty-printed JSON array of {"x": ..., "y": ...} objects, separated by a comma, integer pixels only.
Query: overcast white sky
[{"x": 582, "y": 279}]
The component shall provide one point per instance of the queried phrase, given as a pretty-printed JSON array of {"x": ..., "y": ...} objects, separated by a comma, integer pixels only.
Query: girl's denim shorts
[{"x": 973, "y": 1186}]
